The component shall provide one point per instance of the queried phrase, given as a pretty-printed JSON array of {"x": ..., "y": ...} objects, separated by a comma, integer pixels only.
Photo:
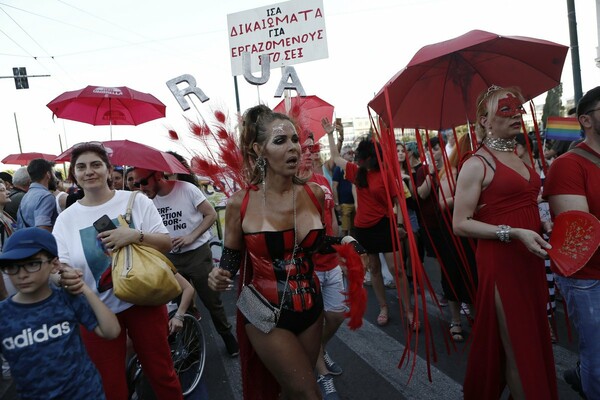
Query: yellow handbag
[{"x": 141, "y": 274}]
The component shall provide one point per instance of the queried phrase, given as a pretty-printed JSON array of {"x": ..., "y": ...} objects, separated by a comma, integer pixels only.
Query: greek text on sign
[{"x": 292, "y": 32}]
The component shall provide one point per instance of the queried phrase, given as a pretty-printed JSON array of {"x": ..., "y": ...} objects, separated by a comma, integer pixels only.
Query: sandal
[
  {"x": 414, "y": 325},
  {"x": 456, "y": 332},
  {"x": 383, "y": 318}
]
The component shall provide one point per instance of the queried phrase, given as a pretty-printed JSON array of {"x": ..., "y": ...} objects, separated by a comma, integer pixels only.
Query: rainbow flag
[{"x": 560, "y": 128}]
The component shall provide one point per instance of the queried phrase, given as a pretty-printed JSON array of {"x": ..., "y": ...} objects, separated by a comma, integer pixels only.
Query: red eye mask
[
  {"x": 509, "y": 106},
  {"x": 314, "y": 148}
]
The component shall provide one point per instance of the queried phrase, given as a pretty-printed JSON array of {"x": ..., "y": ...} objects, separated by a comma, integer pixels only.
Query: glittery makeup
[{"x": 278, "y": 129}]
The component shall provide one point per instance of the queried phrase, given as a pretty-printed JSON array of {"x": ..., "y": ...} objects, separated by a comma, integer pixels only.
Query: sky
[{"x": 144, "y": 43}]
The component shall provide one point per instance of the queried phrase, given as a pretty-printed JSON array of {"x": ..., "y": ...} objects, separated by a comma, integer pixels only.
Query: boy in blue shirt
[{"x": 39, "y": 334}]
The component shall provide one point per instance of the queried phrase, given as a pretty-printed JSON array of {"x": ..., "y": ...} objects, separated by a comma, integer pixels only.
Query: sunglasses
[
  {"x": 30, "y": 267},
  {"x": 93, "y": 143},
  {"x": 143, "y": 181}
]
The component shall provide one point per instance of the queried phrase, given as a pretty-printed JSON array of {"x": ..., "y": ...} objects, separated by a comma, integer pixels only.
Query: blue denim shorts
[{"x": 332, "y": 288}]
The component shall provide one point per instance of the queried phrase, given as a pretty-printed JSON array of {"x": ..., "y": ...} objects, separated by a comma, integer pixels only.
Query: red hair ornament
[{"x": 575, "y": 238}]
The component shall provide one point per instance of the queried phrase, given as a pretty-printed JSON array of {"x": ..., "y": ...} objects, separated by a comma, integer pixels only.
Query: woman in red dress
[{"x": 496, "y": 203}]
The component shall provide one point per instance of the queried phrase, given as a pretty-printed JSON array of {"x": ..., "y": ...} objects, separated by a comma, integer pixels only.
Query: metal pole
[
  {"x": 237, "y": 94},
  {"x": 18, "y": 136},
  {"x": 287, "y": 100},
  {"x": 598, "y": 28},
  {"x": 65, "y": 133},
  {"x": 110, "y": 116},
  {"x": 61, "y": 151},
  {"x": 574, "y": 50}
]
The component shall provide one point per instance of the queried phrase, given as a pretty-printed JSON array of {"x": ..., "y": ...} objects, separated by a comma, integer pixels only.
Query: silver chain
[{"x": 293, "y": 251}]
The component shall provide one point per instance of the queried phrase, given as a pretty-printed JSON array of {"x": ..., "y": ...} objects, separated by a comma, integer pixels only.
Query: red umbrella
[
  {"x": 439, "y": 86},
  {"x": 98, "y": 105},
  {"x": 134, "y": 154},
  {"x": 307, "y": 112},
  {"x": 24, "y": 158}
]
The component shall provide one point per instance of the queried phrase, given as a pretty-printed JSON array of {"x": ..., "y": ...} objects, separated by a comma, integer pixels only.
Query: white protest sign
[{"x": 292, "y": 32}]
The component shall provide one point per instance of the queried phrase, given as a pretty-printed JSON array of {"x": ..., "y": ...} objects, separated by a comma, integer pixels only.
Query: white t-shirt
[
  {"x": 79, "y": 247},
  {"x": 179, "y": 212},
  {"x": 59, "y": 196}
]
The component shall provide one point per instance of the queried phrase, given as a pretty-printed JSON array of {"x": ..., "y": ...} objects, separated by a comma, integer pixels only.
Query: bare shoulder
[
  {"x": 235, "y": 200},
  {"x": 475, "y": 165},
  {"x": 317, "y": 190}
]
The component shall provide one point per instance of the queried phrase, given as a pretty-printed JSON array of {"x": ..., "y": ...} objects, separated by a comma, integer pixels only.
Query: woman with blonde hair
[{"x": 496, "y": 203}]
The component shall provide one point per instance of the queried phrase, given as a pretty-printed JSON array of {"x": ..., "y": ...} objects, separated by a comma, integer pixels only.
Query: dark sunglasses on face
[
  {"x": 143, "y": 181},
  {"x": 29, "y": 266}
]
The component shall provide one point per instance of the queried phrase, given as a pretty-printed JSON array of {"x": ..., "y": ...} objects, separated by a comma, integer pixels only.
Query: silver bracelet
[
  {"x": 503, "y": 233},
  {"x": 179, "y": 317}
]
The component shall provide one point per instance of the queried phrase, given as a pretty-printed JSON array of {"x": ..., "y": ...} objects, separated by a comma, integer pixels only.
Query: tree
[{"x": 553, "y": 106}]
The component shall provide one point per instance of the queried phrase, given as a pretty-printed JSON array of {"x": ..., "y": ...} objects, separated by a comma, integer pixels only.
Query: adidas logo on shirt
[{"x": 28, "y": 337}]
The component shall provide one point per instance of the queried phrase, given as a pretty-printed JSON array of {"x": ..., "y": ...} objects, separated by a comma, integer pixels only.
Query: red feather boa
[{"x": 356, "y": 295}]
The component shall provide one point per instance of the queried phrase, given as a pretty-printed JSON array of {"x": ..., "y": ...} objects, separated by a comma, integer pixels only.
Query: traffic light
[{"x": 20, "y": 75}]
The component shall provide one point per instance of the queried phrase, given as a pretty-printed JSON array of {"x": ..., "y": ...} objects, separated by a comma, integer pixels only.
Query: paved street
[{"x": 370, "y": 356}]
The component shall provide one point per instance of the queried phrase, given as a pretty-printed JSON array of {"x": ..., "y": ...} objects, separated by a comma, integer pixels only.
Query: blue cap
[{"x": 27, "y": 242}]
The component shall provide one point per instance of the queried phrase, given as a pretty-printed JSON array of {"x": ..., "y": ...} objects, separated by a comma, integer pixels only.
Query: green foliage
[{"x": 553, "y": 106}]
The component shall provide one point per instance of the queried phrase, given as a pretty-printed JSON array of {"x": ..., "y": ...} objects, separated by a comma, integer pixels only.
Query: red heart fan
[{"x": 575, "y": 239}]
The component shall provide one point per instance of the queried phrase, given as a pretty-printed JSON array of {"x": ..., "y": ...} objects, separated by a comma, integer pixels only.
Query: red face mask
[
  {"x": 313, "y": 148},
  {"x": 509, "y": 106}
]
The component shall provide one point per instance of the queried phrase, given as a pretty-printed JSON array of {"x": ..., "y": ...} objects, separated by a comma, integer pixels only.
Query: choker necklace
[{"x": 500, "y": 144}]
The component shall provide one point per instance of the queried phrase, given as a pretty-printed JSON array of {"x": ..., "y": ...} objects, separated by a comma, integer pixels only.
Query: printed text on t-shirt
[
  {"x": 28, "y": 336},
  {"x": 172, "y": 218}
]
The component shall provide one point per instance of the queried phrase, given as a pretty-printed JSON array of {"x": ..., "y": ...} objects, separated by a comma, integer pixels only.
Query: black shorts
[
  {"x": 376, "y": 238},
  {"x": 298, "y": 322}
]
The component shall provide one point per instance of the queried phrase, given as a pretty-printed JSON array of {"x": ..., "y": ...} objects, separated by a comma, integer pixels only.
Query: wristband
[
  {"x": 178, "y": 316},
  {"x": 503, "y": 233},
  {"x": 141, "y": 236},
  {"x": 357, "y": 246},
  {"x": 231, "y": 260}
]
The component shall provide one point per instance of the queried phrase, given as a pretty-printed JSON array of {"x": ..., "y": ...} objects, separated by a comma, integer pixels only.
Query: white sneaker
[{"x": 332, "y": 366}]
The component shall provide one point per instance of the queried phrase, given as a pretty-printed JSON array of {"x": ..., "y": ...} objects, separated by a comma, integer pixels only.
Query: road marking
[{"x": 382, "y": 352}]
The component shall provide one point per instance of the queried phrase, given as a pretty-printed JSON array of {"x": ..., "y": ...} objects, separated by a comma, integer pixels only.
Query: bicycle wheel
[
  {"x": 138, "y": 385},
  {"x": 188, "y": 350},
  {"x": 134, "y": 371}
]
